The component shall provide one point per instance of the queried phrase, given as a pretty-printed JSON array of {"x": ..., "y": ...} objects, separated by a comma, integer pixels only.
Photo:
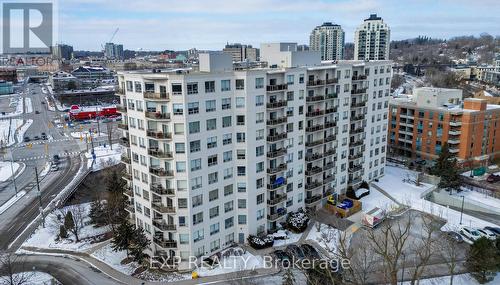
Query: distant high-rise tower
[
  {"x": 372, "y": 40},
  {"x": 113, "y": 51},
  {"x": 62, "y": 51},
  {"x": 328, "y": 39}
]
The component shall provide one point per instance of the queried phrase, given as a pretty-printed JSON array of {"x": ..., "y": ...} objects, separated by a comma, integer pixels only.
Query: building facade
[
  {"x": 62, "y": 51},
  {"x": 113, "y": 51},
  {"x": 372, "y": 39},
  {"x": 329, "y": 40},
  {"x": 216, "y": 154},
  {"x": 422, "y": 123},
  {"x": 241, "y": 52}
]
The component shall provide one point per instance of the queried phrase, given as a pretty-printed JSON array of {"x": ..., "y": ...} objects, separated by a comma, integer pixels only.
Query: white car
[
  {"x": 470, "y": 233},
  {"x": 487, "y": 234}
]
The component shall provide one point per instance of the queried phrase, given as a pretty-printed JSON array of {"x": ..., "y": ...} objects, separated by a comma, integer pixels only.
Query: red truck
[{"x": 85, "y": 113}]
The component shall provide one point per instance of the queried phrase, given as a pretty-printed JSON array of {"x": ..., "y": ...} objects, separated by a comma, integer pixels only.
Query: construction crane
[{"x": 110, "y": 40}]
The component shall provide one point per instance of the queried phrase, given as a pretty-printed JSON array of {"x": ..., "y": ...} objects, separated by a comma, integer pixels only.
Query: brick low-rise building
[{"x": 420, "y": 125}]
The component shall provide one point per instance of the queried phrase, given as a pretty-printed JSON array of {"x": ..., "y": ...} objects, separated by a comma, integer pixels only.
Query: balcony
[
  {"x": 276, "y": 137},
  {"x": 127, "y": 175},
  {"x": 277, "y": 121},
  {"x": 357, "y": 131},
  {"x": 128, "y": 192},
  {"x": 122, "y": 126},
  {"x": 163, "y": 226},
  {"x": 276, "y": 153},
  {"x": 331, "y": 110},
  {"x": 152, "y": 96},
  {"x": 120, "y": 92},
  {"x": 330, "y": 124},
  {"x": 315, "y": 184},
  {"x": 275, "y": 216},
  {"x": 158, "y": 116},
  {"x": 276, "y": 88},
  {"x": 356, "y": 143},
  {"x": 357, "y": 118},
  {"x": 329, "y": 191},
  {"x": 355, "y": 168},
  {"x": 314, "y": 156},
  {"x": 328, "y": 179},
  {"x": 356, "y": 156},
  {"x": 317, "y": 82},
  {"x": 315, "y": 128},
  {"x": 275, "y": 185},
  {"x": 276, "y": 200},
  {"x": 453, "y": 141},
  {"x": 312, "y": 199},
  {"x": 163, "y": 209},
  {"x": 329, "y": 152},
  {"x": 328, "y": 166},
  {"x": 276, "y": 169},
  {"x": 358, "y": 105},
  {"x": 330, "y": 138},
  {"x": 165, "y": 243},
  {"x": 158, "y": 135},
  {"x": 313, "y": 170},
  {"x": 276, "y": 105},
  {"x": 354, "y": 181},
  {"x": 314, "y": 143},
  {"x": 315, "y": 98},
  {"x": 160, "y": 190},
  {"x": 160, "y": 172},
  {"x": 130, "y": 208},
  {"x": 125, "y": 158},
  {"x": 358, "y": 91},
  {"x": 455, "y": 123},
  {"x": 124, "y": 142},
  {"x": 160, "y": 154},
  {"x": 331, "y": 96},
  {"x": 121, "y": 108},
  {"x": 332, "y": 81},
  {"x": 454, "y": 150},
  {"x": 316, "y": 113},
  {"x": 359, "y": 77},
  {"x": 454, "y": 132}
]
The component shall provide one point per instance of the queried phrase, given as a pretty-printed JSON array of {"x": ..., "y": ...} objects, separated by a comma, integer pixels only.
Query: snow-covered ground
[
  {"x": 105, "y": 156},
  {"x": 6, "y": 171},
  {"x": 85, "y": 134},
  {"x": 12, "y": 201},
  {"x": 246, "y": 261},
  {"x": 29, "y": 106},
  {"x": 291, "y": 238},
  {"x": 327, "y": 237},
  {"x": 479, "y": 198},
  {"x": 45, "y": 237},
  {"x": 113, "y": 258},
  {"x": 21, "y": 131},
  {"x": 31, "y": 278},
  {"x": 409, "y": 194},
  {"x": 462, "y": 279},
  {"x": 8, "y": 131},
  {"x": 377, "y": 200},
  {"x": 17, "y": 102}
]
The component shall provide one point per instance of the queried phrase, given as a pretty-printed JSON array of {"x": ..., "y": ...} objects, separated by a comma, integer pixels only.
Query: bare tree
[
  {"x": 109, "y": 133},
  {"x": 361, "y": 260},
  {"x": 451, "y": 252},
  {"x": 78, "y": 215},
  {"x": 13, "y": 269}
]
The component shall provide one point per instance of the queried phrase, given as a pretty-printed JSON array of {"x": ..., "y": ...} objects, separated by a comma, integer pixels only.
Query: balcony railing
[
  {"x": 165, "y": 243},
  {"x": 330, "y": 138},
  {"x": 159, "y": 154},
  {"x": 158, "y": 135},
  {"x": 358, "y": 118},
  {"x": 276, "y": 153},
  {"x": 160, "y": 190},
  {"x": 312, "y": 199},
  {"x": 313, "y": 157},
  {"x": 359, "y": 77},
  {"x": 357, "y": 131},
  {"x": 455, "y": 123},
  {"x": 358, "y": 91},
  {"x": 277, "y": 104},
  {"x": 126, "y": 158},
  {"x": 163, "y": 209},
  {"x": 123, "y": 126},
  {"x": 332, "y": 81},
  {"x": 162, "y": 225},
  {"x": 315, "y": 184},
  {"x": 355, "y": 168},
  {"x": 157, "y": 115},
  {"x": 357, "y": 105},
  {"x": 315, "y": 113},
  {"x": 119, "y": 92},
  {"x": 276, "y": 200},
  {"x": 331, "y": 96},
  {"x": 121, "y": 108},
  {"x": 124, "y": 142},
  {"x": 315, "y": 128},
  {"x": 331, "y": 110},
  {"x": 275, "y": 88},
  {"x": 313, "y": 170},
  {"x": 314, "y": 143},
  {"x": 277, "y": 121},
  {"x": 330, "y": 124},
  {"x": 329, "y": 165},
  {"x": 317, "y": 82},
  {"x": 276, "y": 137},
  {"x": 126, "y": 175},
  {"x": 275, "y": 186},
  {"x": 278, "y": 168},
  {"x": 275, "y": 216},
  {"x": 315, "y": 98},
  {"x": 156, "y": 96},
  {"x": 160, "y": 172}
]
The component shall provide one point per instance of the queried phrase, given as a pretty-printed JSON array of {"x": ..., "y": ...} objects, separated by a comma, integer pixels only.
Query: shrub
[
  {"x": 350, "y": 193},
  {"x": 365, "y": 185},
  {"x": 297, "y": 221},
  {"x": 260, "y": 243}
]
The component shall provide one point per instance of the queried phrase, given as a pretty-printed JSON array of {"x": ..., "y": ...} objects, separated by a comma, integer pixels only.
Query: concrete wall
[
  {"x": 444, "y": 198},
  {"x": 436, "y": 97}
]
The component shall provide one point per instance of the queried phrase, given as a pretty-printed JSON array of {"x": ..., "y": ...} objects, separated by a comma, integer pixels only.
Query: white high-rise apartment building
[
  {"x": 328, "y": 39},
  {"x": 372, "y": 40},
  {"x": 215, "y": 154}
]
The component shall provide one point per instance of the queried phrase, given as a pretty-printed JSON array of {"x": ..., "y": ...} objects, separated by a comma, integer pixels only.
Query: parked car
[
  {"x": 43, "y": 102},
  {"x": 282, "y": 256},
  {"x": 492, "y": 178},
  {"x": 26, "y": 139},
  {"x": 295, "y": 251},
  {"x": 487, "y": 234},
  {"x": 310, "y": 251},
  {"x": 37, "y": 112},
  {"x": 44, "y": 136},
  {"x": 469, "y": 233},
  {"x": 496, "y": 230},
  {"x": 54, "y": 167},
  {"x": 455, "y": 236},
  {"x": 56, "y": 157},
  {"x": 36, "y": 138}
]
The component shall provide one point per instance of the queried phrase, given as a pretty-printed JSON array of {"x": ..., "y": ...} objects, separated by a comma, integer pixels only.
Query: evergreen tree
[
  {"x": 350, "y": 193},
  {"x": 123, "y": 236},
  {"x": 96, "y": 214},
  {"x": 139, "y": 243},
  {"x": 63, "y": 233},
  {"x": 115, "y": 208},
  {"x": 288, "y": 277},
  {"x": 446, "y": 168},
  {"x": 482, "y": 260},
  {"x": 69, "y": 225}
]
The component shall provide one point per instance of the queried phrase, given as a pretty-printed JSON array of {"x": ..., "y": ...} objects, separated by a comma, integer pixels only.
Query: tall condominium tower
[
  {"x": 372, "y": 40},
  {"x": 328, "y": 39},
  {"x": 216, "y": 154}
]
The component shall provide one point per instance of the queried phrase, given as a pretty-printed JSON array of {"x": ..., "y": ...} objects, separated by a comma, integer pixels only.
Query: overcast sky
[{"x": 209, "y": 24}]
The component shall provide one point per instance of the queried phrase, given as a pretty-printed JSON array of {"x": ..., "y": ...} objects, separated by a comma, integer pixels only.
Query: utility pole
[
  {"x": 462, "y": 210},
  {"x": 39, "y": 197},
  {"x": 12, "y": 171}
]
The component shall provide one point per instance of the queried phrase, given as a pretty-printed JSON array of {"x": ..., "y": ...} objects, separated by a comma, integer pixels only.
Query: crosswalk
[
  {"x": 65, "y": 154},
  {"x": 24, "y": 144}
]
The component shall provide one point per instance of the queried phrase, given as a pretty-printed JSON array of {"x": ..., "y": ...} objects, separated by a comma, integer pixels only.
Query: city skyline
[{"x": 195, "y": 24}]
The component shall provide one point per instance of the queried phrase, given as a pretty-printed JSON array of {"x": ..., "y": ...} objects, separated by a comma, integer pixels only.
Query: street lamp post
[
  {"x": 462, "y": 210},
  {"x": 39, "y": 196},
  {"x": 12, "y": 171}
]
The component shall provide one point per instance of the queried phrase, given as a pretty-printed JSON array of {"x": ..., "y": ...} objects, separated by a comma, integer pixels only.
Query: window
[
  {"x": 226, "y": 121},
  {"x": 240, "y": 120},
  {"x": 194, "y": 146},
  {"x": 259, "y": 151},
  {"x": 210, "y": 106},
  {"x": 178, "y": 109},
  {"x": 259, "y": 100},
  {"x": 183, "y": 238},
  {"x": 211, "y": 142},
  {"x": 209, "y": 86},
  {"x": 225, "y": 85},
  {"x": 178, "y": 128},
  {"x": 197, "y": 236},
  {"x": 227, "y": 139},
  {"x": 182, "y": 221},
  {"x": 180, "y": 148},
  {"x": 259, "y": 167},
  {"x": 213, "y": 177},
  {"x": 195, "y": 164},
  {"x": 240, "y": 102},
  {"x": 242, "y": 203},
  {"x": 259, "y": 183},
  {"x": 260, "y": 199},
  {"x": 213, "y": 195},
  {"x": 228, "y": 173},
  {"x": 259, "y": 135},
  {"x": 259, "y": 83},
  {"x": 197, "y": 200},
  {"x": 214, "y": 229},
  {"x": 227, "y": 156},
  {"x": 242, "y": 219},
  {"x": 212, "y": 160},
  {"x": 240, "y": 84},
  {"x": 226, "y": 103},
  {"x": 259, "y": 118},
  {"x": 213, "y": 212},
  {"x": 176, "y": 89},
  {"x": 211, "y": 124},
  {"x": 240, "y": 137},
  {"x": 194, "y": 127},
  {"x": 289, "y": 79},
  {"x": 228, "y": 190},
  {"x": 196, "y": 183},
  {"x": 241, "y": 170},
  {"x": 180, "y": 166},
  {"x": 229, "y": 222},
  {"x": 228, "y": 206},
  {"x": 240, "y": 154},
  {"x": 138, "y": 86},
  {"x": 192, "y": 88},
  {"x": 260, "y": 214},
  {"x": 198, "y": 218},
  {"x": 242, "y": 187},
  {"x": 193, "y": 108}
]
